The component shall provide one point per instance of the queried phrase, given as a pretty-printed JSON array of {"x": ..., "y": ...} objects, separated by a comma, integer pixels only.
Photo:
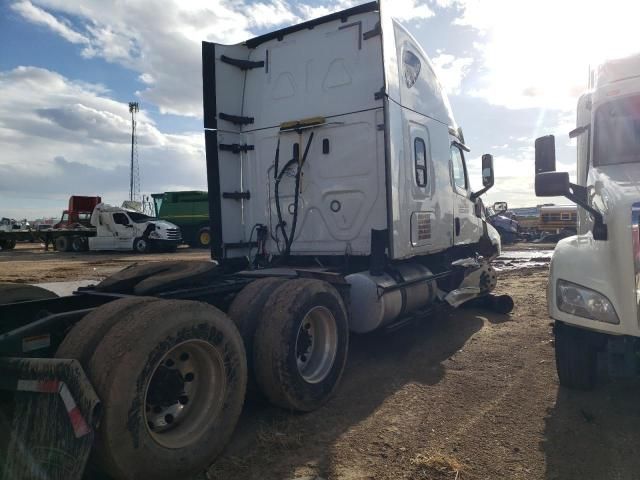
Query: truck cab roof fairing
[
  {"x": 342, "y": 15},
  {"x": 418, "y": 87}
]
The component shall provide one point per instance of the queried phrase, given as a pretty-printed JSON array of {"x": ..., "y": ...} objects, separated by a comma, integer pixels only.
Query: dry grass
[{"x": 437, "y": 466}]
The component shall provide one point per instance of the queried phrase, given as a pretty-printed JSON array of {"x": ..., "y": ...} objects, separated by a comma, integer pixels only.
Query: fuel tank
[{"x": 378, "y": 300}]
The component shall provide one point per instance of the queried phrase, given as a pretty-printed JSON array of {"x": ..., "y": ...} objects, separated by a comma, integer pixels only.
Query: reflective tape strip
[
  {"x": 39, "y": 386},
  {"x": 80, "y": 427},
  {"x": 78, "y": 423}
]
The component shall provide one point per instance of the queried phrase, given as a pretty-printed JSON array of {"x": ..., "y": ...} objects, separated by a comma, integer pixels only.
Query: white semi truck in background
[
  {"x": 594, "y": 280},
  {"x": 109, "y": 228},
  {"x": 119, "y": 228},
  {"x": 339, "y": 202}
]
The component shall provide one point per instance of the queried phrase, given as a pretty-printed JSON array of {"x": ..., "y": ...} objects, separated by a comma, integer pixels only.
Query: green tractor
[{"x": 190, "y": 211}]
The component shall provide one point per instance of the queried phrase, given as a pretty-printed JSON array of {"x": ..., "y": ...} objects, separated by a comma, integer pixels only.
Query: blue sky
[{"x": 513, "y": 71}]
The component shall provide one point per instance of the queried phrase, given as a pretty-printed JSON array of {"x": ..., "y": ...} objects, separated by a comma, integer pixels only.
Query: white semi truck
[
  {"x": 594, "y": 280},
  {"x": 111, "y": 228},
  {"x": 339, "y": 202},
  {"x": 120, "y": 228}
]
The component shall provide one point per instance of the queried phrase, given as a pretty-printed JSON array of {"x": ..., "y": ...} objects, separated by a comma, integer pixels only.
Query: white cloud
[
  {"x": 537, "y": 54},
  {"x": 61, "y": 137},
  {"x": 308, "y": 12},
  {"x": 270, "y": 14},
  {"x": 158, "y": 39},
  {"x": 451, "y": 71},
  {"x": 41, "y": 17},
  {"x": 409, "y": 10}
]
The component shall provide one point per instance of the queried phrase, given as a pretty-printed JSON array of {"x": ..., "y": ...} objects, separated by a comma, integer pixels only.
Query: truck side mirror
[
  {"x": 545, "y": 154},
  {"x": 487, "y": 175},
  {"x": 553, "y": 184},
  {"x": 500, "y": 207},
  {"x": 487, "y": 170}
]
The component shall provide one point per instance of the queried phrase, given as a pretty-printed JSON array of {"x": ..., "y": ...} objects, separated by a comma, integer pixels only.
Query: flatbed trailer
[
  {"x": 72, "y": 239},
  {"x": 9, "y": 238}
]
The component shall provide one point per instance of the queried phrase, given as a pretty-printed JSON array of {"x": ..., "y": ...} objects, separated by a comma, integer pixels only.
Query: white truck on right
[{"x": 594, "y": 281}]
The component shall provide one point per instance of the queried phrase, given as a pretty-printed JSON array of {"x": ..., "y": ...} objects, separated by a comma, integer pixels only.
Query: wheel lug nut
[
  {"x": 183, "y": 400},
  {"x": 189, "y": 377}
]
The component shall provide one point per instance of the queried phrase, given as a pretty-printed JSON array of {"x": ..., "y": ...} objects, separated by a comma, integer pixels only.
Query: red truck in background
[{"x": 79, "y": 212}]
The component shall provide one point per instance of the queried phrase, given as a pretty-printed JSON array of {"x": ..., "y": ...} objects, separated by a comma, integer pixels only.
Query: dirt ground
[
  {"x": 463, "y": 395},
  {"x": 29, "y": 263}
]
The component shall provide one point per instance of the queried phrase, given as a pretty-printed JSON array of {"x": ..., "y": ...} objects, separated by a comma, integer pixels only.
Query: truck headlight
[
  {"x": 154, "y": 234},
  {"x": 584, "y": 302}
]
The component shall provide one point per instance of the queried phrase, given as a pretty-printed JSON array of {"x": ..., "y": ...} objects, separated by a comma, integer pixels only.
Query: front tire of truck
[
  {"x": 300, "y": 345},
  {"x": 140, "y": 245},
  {"x": 172, "y": 390},
  {"x": 576, "y": 357}
]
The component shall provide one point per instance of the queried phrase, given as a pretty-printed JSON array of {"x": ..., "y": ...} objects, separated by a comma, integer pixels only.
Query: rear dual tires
[
  {"x": 20, "y": 292},
  {"x": 576, "y": 357},
  {"x": 62, "y": 244},
  {"x": 71, "y": 244},
  {"x": 79, "y": 244},
  {"x": 300, "y": 344},
  {"x": 246, "y": 311},
  {"x": 155, "y": 277},
  {"x": 171, "y": 390},
  {"x": 7, "y": 244}
]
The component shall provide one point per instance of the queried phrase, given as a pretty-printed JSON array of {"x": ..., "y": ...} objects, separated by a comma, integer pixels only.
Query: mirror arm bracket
[
  {"x": 579, "y": 195},
  {"x": 475, "y": 195}
]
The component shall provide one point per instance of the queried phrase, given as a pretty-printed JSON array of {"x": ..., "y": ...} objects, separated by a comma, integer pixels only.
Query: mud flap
[{"x": 52, "y": 411}]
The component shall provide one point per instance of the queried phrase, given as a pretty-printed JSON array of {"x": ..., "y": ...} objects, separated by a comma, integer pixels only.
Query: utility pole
[{"x": 134, "y": 178}]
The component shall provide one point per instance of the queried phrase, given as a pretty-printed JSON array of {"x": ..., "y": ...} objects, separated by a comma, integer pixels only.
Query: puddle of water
[{"x": 517, "y": 259}]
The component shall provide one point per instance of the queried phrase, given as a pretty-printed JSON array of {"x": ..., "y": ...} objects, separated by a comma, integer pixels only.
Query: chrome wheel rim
[
  {"x": 316, "y": 344},
  {"x": 185, "y": 392},
  {"x": 141, "y": 245}
]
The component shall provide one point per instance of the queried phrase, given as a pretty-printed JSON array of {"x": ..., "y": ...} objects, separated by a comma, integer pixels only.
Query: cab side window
[
  {"x": 420, "y": 153},
  {"x": 120, "y": 219},
  {"x": 458, "y": 171}
]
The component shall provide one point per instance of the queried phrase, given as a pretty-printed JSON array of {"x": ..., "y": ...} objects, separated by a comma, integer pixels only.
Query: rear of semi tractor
[
  {"x": 594, "y": 288},
  {"x": 339, "y": 202}
]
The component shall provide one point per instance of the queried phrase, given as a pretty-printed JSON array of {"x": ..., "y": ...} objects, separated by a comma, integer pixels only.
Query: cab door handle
[{"x": 457, "y": 222}]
